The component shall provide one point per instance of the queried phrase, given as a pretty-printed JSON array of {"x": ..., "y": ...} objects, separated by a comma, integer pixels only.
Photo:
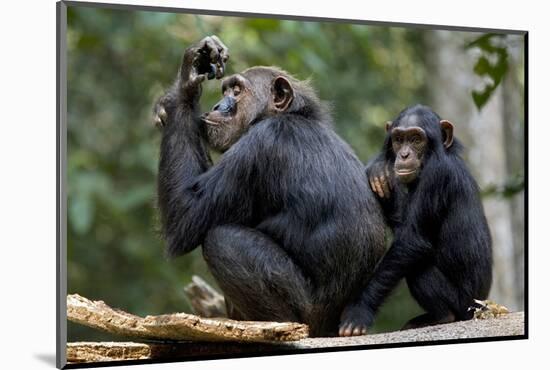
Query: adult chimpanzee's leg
[
  {"x": 259, "y": 279},
  {"x": 436, "y": 294}
]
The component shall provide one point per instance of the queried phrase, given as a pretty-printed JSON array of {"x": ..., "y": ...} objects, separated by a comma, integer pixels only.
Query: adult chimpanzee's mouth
[
  {"x": 214, "y": 119},
  {"x": 210, "y": 122}
]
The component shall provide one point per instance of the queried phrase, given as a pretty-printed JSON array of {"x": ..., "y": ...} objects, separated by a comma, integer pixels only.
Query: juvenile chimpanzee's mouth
[
  {"x": 405, "y": 171},
  {"x": 406, "y": 175}
]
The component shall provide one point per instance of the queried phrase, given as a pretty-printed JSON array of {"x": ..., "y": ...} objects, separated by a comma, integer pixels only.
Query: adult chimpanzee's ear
[
  {"x": 282, "y": 93},
  {"x": 388, "y": 125},
  {"x": 447, "y": 130}
]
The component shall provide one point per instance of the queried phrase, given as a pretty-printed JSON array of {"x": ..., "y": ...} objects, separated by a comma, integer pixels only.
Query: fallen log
[
  {"x": 178, "y": 326},
  {"x": 205, "y": 300},
  {"x": 510, "y": 325}
]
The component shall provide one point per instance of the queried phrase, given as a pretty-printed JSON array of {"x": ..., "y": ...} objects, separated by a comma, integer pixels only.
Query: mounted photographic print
[{"x": 237, "y": 185}]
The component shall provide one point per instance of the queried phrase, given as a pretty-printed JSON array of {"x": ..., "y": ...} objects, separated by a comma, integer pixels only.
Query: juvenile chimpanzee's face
[
  {"x": 409, "y": 145},
  {"x": 247, "y": 97},
  {"x": 410, "y": 137}
]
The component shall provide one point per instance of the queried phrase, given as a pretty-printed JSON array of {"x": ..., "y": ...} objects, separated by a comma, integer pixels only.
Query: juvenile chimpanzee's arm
[
  {"x": 383, "y": 183},
  {"x": 408, "y": 250},
  {"x": 189, "y": 191},
  {"x": 379, "y": 176}
]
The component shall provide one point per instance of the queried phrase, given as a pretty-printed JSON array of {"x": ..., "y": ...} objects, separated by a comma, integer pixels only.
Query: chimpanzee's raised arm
[{"x": 183, "y": 153}]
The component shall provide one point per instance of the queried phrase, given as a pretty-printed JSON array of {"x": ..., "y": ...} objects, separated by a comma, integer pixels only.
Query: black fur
[
  {"x": 287, "y": 221},
  {"x": 441, "y": 242}
]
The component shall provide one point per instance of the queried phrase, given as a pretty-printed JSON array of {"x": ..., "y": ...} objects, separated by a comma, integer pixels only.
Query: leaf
[{"x": 488, "y": 44}]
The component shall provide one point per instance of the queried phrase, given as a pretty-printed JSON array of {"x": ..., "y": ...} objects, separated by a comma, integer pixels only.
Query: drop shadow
[{"x": 47, "y": 358}]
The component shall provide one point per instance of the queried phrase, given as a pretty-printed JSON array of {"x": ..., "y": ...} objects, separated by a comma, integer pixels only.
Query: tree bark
[
  {"x": 510, "y": 325},
  {"x": 178, "y": 326}
]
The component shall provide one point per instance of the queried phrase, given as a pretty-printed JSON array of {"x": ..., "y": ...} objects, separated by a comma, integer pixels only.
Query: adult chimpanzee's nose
[
  {"x": 405, "y": 154},
  {"x": 226, "y": 105}
]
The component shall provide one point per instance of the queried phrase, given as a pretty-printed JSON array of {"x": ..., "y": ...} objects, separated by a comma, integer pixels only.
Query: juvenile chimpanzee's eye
[{"x": 236, "y": 90}]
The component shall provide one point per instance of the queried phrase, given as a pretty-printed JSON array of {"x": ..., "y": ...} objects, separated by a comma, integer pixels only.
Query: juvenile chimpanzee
[
  {"x": 441, "y": 244},
  {"x": 288, "y": 224}
]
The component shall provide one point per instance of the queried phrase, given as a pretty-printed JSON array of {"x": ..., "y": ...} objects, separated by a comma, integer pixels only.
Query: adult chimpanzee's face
[
  {"x": 254, "y": 94},
  {"x": 409, "y": 145},
  {"x": 232, "y": 115}
]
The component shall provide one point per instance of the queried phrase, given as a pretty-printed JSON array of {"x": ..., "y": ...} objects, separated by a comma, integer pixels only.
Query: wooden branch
[
  {"x": 508, "y": 325},
  {"x": 98, "y": 315},
  {"x": 205, "y": 300},
  {"x": 178, "y": 326}
]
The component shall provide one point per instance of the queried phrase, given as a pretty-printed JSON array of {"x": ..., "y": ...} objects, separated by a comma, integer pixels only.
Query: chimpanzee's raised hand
[
  {"x": 204, "y": 60},
  {"x": 380, "y": 182}
]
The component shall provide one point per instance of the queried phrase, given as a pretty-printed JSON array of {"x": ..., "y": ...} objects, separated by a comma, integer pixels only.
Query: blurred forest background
[{"x": 120, "y": 61}]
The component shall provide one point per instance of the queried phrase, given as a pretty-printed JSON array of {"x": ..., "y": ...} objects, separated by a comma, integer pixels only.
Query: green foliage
[{"x": 492, "y": 64}]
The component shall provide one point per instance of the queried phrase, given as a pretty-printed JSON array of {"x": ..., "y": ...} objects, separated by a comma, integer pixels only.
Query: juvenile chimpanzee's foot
[
  {"x": 428, "y": 319},
  {"x": 355, "y": 320}
]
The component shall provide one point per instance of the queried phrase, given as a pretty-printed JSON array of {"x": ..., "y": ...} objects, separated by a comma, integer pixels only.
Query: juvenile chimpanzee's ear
[
  {"x": 282, "y": 93},
  {"x": 388, "y": 125},
  {"x": 447, "y": 130}
]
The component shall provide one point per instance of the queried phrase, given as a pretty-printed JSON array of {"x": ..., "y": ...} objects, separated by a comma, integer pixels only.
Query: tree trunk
[{"x": 488, "y": 136}]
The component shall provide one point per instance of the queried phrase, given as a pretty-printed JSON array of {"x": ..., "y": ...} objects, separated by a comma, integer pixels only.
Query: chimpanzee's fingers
[
  {"x": 209, "y": 47},
  {"x": 159, "y": 114},
  {"x": 378, "y": 186},
  {"x": 157, "y": 122},
  {"x": 372, "y": 186},
  {"x": 223, "y": 56},
  {"x": 223, "y": 50},
  {"x": 217, "y": 54},
  {"x": 345, "y": 330}
]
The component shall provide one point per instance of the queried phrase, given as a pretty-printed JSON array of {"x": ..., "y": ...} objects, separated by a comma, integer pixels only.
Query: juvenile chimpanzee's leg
[
  {"x": 258, "y": 277},
  {"x": 436, "y": 294}
]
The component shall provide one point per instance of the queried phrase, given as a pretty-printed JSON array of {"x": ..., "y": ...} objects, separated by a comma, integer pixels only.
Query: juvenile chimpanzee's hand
[
  {"x": 354, "y": 320},
  {"x": 379, "y": 179},
  {"x": 204, "y": 60}
]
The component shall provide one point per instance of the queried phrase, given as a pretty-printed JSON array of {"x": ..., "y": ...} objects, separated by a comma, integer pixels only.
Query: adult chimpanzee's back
[{"x": 289, "y": 226}]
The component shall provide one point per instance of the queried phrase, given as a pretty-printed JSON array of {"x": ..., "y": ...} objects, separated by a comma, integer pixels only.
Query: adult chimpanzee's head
[
  {"x": 413, "y": 136},
  {"x": 250, "y": 96}
]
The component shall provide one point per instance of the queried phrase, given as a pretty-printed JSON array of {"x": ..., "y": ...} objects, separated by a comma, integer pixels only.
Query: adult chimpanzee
[
  {"x": 288, "y": 224},
  {"x": 442, "y": 244}
]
